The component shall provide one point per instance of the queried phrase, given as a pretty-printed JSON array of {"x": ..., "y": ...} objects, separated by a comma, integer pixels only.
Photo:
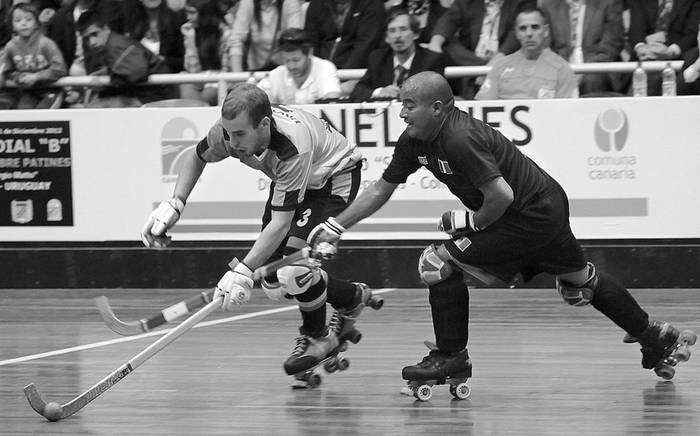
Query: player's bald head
[{"x": 427, "y": 87}]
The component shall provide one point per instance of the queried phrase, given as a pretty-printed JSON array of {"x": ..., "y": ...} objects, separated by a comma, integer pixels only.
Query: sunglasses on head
[{"x": 293, "y": 39}]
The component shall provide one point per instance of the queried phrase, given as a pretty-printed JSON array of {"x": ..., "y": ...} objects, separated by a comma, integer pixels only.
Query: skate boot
[
  {"x": 664, "y": 347},
  {"x": 343, "y": 320},
  {"x": 308, "y": 354},
  {"x": 438, "y": 369}
]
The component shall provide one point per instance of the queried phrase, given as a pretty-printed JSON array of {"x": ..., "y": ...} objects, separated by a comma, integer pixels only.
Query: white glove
[
  {"x": 458, "y": 222},
  {"x": 154, "y": 233},
  {"x": 324, "y": 238},
  {"x": 235, "y": 286}
]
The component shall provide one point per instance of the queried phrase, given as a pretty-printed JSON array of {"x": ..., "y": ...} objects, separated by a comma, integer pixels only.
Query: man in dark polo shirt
[{"x": 515, "y": 220}]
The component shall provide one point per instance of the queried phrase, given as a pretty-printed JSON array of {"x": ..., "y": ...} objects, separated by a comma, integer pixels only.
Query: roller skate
[
  {"x": 310, "y": 377},
  {"x": 343, "y": 320},
  {"x": 308, "y": 354},
  {"x": 664, "y": 347},
  {"x": 438, "y": 369},
  {"x": 342, "y": 324}
]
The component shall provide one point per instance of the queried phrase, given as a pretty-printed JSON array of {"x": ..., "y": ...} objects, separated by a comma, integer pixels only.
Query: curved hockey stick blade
[
  {"x": 39, "y": 404},
  {"x": 165, "y": 316},
  {"x": 114, "y": 323}
]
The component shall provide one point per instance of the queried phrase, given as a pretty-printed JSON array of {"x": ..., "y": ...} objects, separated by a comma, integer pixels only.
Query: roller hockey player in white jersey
[{"x": 315, "y": 174}]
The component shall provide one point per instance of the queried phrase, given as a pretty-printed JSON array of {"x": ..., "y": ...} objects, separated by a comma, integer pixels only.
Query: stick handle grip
[{"x": 304, "y": 253}]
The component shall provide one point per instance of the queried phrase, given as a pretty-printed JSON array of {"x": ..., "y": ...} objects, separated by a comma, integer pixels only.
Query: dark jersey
[{"x": 466, "y": 154}]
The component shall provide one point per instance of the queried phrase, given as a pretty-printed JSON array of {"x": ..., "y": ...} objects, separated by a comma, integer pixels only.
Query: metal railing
[
  {"x": 222, "y": 79},
  {"x": 450, "y": 72}
]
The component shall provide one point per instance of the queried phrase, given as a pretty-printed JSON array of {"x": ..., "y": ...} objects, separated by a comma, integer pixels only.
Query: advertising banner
[
  {"x": 629, "y": 172},
  {"x": 35, "y": 174}
]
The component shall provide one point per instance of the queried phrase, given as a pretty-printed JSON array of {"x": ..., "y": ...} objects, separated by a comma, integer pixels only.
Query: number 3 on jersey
[{"x": 304, "y": 220}]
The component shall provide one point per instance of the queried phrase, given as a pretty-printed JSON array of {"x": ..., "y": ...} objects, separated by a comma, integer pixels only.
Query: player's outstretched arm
[
  {"x": 324, "y": 238},
  {"x": 154, "y": 233},
  {"x": 370, "y": 201}
]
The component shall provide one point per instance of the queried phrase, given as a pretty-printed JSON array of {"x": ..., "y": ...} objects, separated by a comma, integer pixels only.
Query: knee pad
[
  {"x": 434, "y": 265},
  {"x": 579, "y": 295},
  {"x": 274, "y": 291},
  {"x": 296, "y": 279}
]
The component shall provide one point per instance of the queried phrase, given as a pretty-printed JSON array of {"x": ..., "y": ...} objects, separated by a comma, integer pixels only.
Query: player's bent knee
[
  {"x": 579, "y": 295},
  {"x": 296, "y": 279},
  {"x": 434, "y": 265},
  {"x": 274, "y": 291}
]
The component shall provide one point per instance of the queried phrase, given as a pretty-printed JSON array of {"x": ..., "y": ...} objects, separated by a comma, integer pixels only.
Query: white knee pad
[
  {"x": 298, "y": 278},
  {"x": 274, "y": 291},
  {"x": 433, "y": 267}
]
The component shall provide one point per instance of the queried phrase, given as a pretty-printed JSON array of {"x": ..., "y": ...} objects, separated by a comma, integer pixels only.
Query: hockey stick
[
  {"x": 56, "y": 411},
  {"x": 129, "y": 328},
  {"x": 297, "y": 256}
]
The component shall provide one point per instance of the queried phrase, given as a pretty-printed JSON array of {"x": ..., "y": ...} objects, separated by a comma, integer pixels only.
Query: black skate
[
  {"x": 342, "y": 324},
  {"x": 438, "y": 369},
  {"x": 343, "y": 320},
  {"x": 664, "y": 347}
]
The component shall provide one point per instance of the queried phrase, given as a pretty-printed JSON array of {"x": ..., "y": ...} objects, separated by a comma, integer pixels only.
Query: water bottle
[
  {"x": 668, "y": 81},
  {"x": 639, "y": 81}
]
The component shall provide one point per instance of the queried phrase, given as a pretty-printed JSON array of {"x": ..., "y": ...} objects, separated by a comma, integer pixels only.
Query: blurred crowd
[{"x": 530, "y": 45}]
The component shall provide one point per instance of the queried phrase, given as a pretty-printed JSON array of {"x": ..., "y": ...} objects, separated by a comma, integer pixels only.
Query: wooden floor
[{"x": 540, "y": 368}]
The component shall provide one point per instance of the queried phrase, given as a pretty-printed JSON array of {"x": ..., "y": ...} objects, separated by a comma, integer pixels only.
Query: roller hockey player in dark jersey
[{"x": 515, "y": 220}]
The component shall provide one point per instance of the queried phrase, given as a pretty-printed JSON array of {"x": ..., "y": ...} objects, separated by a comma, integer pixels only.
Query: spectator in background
[
  {"x": 126, "y": 61},
  {"x": 345, "y": 31},
  {"x": 227, "y": 9},
  {"x": 689, "y": 83},
  {"x": 663, "y": 30},
  {"x": 257, "y": 25},
  {"x": 63, "y": 30},
  {"x": 30, "y": 59},
  {"x": 427, "y": 12},
  {"x": 5, "y": 25},
  {"x": 534, "y": 71},
  {"x": 587, "y": 31},
  {"x": 483, "y": 31},
  {"x": 389, "y": 67},
  {"x": 302, "y": 78},
  {"x": 157, "y": 27},
  {"x": 206, "y": 37}
]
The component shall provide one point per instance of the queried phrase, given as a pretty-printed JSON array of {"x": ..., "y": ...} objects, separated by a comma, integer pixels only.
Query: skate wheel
[
  {"x": 331, "y": 366},
  {"x": 665, "y": 371},
  {"x": 683, "y": 354},
  {"x": 343, "y": 364},
  {"x": 355, "y": 337},
  {"x": 460, "y": 391},
  {"x": 375, "y": 302},
  {"x": 314, "y": 380},
  {"x": 342, "y": 347},
  {"x": 423, "y": 392},
  {"x": 689, "y": 337}
]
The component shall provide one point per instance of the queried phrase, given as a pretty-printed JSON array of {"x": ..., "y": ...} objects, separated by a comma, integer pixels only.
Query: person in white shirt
[
  {"x": 302, "y": 78},
  {"x": 534, "y": 71}
]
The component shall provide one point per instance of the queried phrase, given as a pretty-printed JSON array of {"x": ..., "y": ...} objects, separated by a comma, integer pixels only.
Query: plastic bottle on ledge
[
  {"x": 668, "y": 81},
  {"x": 639, "y": 81}
]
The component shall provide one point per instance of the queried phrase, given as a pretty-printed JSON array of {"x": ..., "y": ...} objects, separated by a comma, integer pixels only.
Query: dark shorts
[
  {"x": 319, "y": 205},
  {"x": 534, "y": 240}
]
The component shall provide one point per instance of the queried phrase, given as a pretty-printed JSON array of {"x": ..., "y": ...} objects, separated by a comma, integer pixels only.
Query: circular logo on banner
[
  {"x": 177, "y": 136},
  {"x": 611, "y": 129}
]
